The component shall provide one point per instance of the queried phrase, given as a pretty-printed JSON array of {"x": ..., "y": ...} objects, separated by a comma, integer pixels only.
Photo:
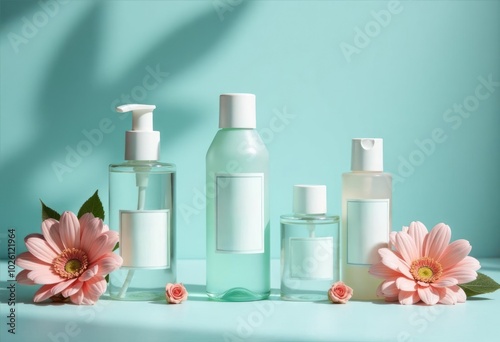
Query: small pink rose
[
  {"x": 339, "y": 293},
  {"x": 175, "y": 293}
]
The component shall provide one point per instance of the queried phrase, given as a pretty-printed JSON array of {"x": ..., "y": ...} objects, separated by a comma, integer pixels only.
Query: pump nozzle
[{"x": 141, "y": 143}]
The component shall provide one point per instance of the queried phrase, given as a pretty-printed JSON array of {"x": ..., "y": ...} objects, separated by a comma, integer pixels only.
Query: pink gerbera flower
[
  {"x": 71, "y": 258},
  {"x": 425, "y": 266}
]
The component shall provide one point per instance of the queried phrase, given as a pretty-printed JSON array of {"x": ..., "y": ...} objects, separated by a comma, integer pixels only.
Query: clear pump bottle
[
  {"x": 366, "y": 216},
  {"x": 142, "y": 210},
  {"x": 238, "y": 261},
  {"x": 309, "y": 246}
]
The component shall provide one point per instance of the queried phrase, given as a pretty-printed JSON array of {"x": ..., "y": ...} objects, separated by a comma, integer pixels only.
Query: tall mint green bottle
[{"x": 238, "y": 259}]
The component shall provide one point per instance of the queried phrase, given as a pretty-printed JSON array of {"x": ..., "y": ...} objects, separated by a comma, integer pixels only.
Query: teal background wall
[{"x": 423, "y": 75}]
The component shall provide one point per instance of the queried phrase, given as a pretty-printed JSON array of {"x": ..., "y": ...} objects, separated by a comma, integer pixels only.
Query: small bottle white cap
[
  {"x": 309, "y": 199},
  {"x": 367, "y": 154},
  {"x": 141, "y": 143},
  {"x": 237, "y": 111}
]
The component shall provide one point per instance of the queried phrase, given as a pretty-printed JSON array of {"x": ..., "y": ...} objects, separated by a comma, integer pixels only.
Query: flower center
[
  {"x": 426, "y": 269},
  {"x": 70, "y": 263}
]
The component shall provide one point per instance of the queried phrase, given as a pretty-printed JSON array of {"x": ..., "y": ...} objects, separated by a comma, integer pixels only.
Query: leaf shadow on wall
[
  {"x": 15, "y": 10},
  {"x": 71, "y": 100}
]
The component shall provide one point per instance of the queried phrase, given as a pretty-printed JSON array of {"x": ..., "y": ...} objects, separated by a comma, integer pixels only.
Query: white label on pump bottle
[
  {"x": 239, "y": 212},
  {"x": 145, "y": 238},
  {"x": 367, "y": 229},
  {"x": 311, "y": 258}
]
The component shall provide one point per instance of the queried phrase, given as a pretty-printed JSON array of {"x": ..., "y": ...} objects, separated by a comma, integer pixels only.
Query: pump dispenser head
[
  {"x": 141, "y": 143},
  {"x": 237, "y": 111},
  {"x": 309, "y": 199},
  {"x": 367, "y": 155}
]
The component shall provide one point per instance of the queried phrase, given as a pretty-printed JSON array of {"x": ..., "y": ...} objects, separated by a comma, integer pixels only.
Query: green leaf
[
  {"x": 483, "y": 284},
  {"x": 49, "y": 213},
  {"x": 92, "y": 205},
  {"x": 116, "y": 246}
]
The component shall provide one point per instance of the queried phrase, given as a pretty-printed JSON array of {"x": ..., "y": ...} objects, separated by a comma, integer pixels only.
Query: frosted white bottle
[
  {"x": 238, "y": 260},
  {"x": 366, "y": 216}
]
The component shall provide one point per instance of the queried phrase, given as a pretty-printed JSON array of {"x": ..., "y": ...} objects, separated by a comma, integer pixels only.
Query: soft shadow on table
[
  {"x": 196, "y": 293},
  {"x": 473, "y": 299}
]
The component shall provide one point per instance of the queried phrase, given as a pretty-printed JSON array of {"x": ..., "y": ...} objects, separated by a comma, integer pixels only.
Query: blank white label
[
  {"x": 311, "y": 258},
  {"x": 367, "y": 230},
  {"x": 239, "y": 212},
  {"x": 145, "y": 238}
]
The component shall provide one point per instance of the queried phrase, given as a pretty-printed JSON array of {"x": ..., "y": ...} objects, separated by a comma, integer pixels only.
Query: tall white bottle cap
[
  {"x": 237, "y": 111},
  {"x": 309, "y": 199},
  {"x": 141, "y": 143},
  {"x": 367, "y": 154}
]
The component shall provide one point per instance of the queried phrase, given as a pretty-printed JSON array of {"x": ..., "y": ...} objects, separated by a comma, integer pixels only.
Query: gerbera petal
[
  {"x": 77, "y": 297},
  {"x": 91, "y": 228},
  {"x": 459, "y": 292},
  {"x": 50, "y": 230},
  {"x": 85, "y": 219},
  {"x": 461, "y": 274},
  {"x": 406, "y": 247},
  {"x": 445, "y": 282},
  {"x": 394, "y": 262},
  {"x": 69, "y": 229},
  {"x": 63, "y": 285},
  {"x": 428, "y": 295},
  {"x": 408, "y": 297},
  {"x": 447, "y": 296},
  {"x": 37, "y": 246},
  {"x": 104, "y": 244},
  {"x": 22, "y": 278},
  {"x": 436, "y": 241},
  {"x": 392, "y": 240},
  {"x": 89, "y": 273},
  {"x": 406, "y": 284},
  {"x": 71, "y": 290},
  {"x": 454, "y": 253},
  {"x": 388, "y": 288},
  {"x": 44, "y": 276},
  {"x": 380, "y": 270},
  {"x": 108, "y": 263},
  {"x": 95, "y": 288},
  {"x": 418, "y": 231},
  {"x": 43, "y": 293},
  {"x": 90, "y": 292},
  {"x": 470, "y": 263},
  {"x": 28, "y": 261}
]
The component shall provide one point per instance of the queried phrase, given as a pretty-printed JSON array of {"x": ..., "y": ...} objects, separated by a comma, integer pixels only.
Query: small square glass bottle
[{"x": 309, "y": 246}]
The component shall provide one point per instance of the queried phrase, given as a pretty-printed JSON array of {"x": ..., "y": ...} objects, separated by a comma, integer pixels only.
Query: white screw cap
[
  {"x": 237, "y": 111},
  {"x": 309, "y": 199},
  {"x": 367, "y": 154}
]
